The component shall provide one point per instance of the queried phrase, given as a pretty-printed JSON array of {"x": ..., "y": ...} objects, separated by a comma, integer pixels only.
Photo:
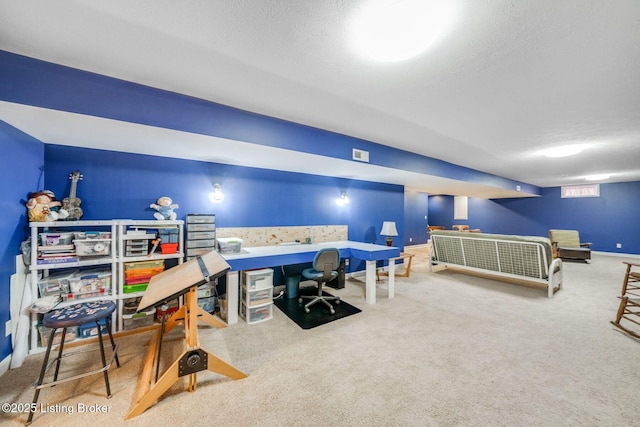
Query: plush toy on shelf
[
  {"x": 42, "y": 206},
  {"x": 165, "y": 207}
]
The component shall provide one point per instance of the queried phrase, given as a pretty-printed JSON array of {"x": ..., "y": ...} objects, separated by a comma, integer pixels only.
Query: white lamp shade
[{"x": 389, "y": 229}]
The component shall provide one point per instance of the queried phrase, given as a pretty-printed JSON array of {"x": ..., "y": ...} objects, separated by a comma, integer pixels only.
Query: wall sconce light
[
  {"x": 344, "y": 199},
  {"x": 216, "y": 195},
  {"x": 389, "y": 230}
]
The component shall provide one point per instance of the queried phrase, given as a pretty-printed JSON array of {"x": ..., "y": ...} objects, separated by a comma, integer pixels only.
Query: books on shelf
[
  {"x": 58, "y": 260},
  {"x": 57, "y": 254}
]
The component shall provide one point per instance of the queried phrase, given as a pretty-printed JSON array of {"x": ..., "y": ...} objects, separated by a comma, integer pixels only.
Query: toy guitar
[{"x": 72, "y": 203}]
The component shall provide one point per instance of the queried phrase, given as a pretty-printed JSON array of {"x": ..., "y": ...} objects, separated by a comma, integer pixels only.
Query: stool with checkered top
[{"x": 71, "y": 316}]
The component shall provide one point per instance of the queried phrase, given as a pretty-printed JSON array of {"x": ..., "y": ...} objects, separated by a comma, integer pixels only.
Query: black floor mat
[{"x": 319, "y": 314}]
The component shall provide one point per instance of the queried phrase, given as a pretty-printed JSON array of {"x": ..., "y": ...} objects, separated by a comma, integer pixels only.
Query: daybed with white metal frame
[{"x": 518, "y": 257}]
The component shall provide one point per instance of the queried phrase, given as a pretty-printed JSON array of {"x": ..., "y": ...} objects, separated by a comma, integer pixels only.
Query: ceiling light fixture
[
  {"x": 395, "y": 30},
  {"x": 598, "y": 177},
  {"x": 563, "y": 151}
]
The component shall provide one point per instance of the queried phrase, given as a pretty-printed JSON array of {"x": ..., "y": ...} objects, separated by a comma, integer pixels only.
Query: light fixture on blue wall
[
  {"x": 344, "y": 199},
  {"x": 216, "y": 195}
]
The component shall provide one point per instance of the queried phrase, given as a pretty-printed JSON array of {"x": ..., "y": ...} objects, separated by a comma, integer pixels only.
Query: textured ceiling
[{"x": 508, "y": 80}]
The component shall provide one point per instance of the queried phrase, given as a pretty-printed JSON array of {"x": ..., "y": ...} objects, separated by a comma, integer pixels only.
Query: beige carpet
[{"x": 450, "y": 350}]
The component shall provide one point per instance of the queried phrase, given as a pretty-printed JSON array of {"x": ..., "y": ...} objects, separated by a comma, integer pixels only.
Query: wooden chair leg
[
  {"x": 623, "y": 305},
  {"x": 626, "y": 280}
]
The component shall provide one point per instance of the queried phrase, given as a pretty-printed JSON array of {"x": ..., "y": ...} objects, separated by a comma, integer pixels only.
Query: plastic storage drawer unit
[
  {"x": 257, "y": 279},
  {"x": 258, "y": 297},
  {"x": 256, "y": 314},
  {"x": 201, "y": 219}
]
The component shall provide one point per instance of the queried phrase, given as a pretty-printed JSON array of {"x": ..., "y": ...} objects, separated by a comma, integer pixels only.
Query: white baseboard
[
  {"x": 420, "y": 246},
  {"x": 616, "y": 254},
  {"x": 4, "y": 365}
]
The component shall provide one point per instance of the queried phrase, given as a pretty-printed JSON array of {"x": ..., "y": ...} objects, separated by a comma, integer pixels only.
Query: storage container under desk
[
  {"x": 257, "y": 314},
  {"x": 257, "y": 279},
  {"x": 257, "y": 297}
]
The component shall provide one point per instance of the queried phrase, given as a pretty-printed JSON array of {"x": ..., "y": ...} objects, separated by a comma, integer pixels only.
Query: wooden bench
[{"x": 407, "y": 269}]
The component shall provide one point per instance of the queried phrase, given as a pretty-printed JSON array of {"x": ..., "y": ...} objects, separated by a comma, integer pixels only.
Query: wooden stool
[{"x": 67, "y": 317}]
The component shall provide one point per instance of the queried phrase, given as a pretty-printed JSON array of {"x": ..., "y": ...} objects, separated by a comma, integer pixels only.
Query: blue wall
[
  {"x": 122, "y": 185},
  {"x": 21, "y": 169},
  {"x": 603, "y": 221},
  {"x": 29, "y": 81},
  {"x": 416, "y": 212}
]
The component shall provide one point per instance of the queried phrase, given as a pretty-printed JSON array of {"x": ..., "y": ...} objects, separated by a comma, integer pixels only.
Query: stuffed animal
[
  {"x": 165, "y": 207},
  {"x": 42, "y": 206}
]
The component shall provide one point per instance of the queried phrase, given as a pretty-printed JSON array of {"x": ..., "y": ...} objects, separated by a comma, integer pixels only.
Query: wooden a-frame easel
[{"x": 191, "y": 361}]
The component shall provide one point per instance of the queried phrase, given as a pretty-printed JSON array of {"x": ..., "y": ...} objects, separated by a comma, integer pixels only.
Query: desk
[{"x": 270, "y": 256}]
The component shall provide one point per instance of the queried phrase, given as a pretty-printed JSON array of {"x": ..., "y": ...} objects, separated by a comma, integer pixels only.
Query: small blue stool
[{"x": 67, "y": 317}]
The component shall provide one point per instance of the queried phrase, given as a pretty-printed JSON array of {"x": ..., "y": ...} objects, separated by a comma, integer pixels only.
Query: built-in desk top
[{"x": 269, "y": 256}]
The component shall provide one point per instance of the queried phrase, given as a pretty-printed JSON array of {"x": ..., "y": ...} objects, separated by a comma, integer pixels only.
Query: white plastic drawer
[
  {"x": 201, "y": 219},
  {"x": 257, "y": 279},
  {"x": 257, "y": 297},
  {"x": 192, "y": 253},
  {"x": 256, "y": 314},
  {"x": 197, "y": 227},
  {"x": 200, "y": 235},
  {"x": 201, "y": 243}
]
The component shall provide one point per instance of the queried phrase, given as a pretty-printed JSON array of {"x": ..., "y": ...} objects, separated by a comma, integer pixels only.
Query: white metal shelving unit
[
  {"x": 122, "y": 227},
  {"x": 115, "y": 260},
  {"x": 39, "y": 271}
]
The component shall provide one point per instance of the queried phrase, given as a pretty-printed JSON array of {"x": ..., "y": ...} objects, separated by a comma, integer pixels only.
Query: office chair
[{"x": 325, "y": 266}]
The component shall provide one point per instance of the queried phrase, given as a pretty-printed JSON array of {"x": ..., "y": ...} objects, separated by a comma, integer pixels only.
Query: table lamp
[{"x": 389, "y": 230}]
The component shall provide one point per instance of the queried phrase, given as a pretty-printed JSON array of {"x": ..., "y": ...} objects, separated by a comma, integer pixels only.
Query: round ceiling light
[
  {"x": 563, "y": 151},
  {"x": 395, "y": 30},
  {"x": 599, "y": 177}
]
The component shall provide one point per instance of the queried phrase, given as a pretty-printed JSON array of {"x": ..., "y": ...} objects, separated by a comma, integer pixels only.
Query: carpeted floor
[{"x": 450, "y": 349}]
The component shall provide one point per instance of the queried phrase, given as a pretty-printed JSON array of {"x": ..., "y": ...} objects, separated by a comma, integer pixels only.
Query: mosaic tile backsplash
[{"x": 269, "y": 236}]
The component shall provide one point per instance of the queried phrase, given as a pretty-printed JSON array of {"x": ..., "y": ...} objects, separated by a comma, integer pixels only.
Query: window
[{"x": 460, "y": 210}]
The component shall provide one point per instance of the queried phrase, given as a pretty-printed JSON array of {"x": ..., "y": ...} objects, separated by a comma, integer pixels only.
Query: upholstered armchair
[{"x": 566, "y": 245}]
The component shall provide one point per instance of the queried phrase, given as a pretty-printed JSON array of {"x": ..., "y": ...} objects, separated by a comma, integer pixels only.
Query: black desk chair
[{"x": 325, "y": 266}]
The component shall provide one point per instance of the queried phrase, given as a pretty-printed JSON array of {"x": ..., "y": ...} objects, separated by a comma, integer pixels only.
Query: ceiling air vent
[{"x": 360, "y": 155}]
